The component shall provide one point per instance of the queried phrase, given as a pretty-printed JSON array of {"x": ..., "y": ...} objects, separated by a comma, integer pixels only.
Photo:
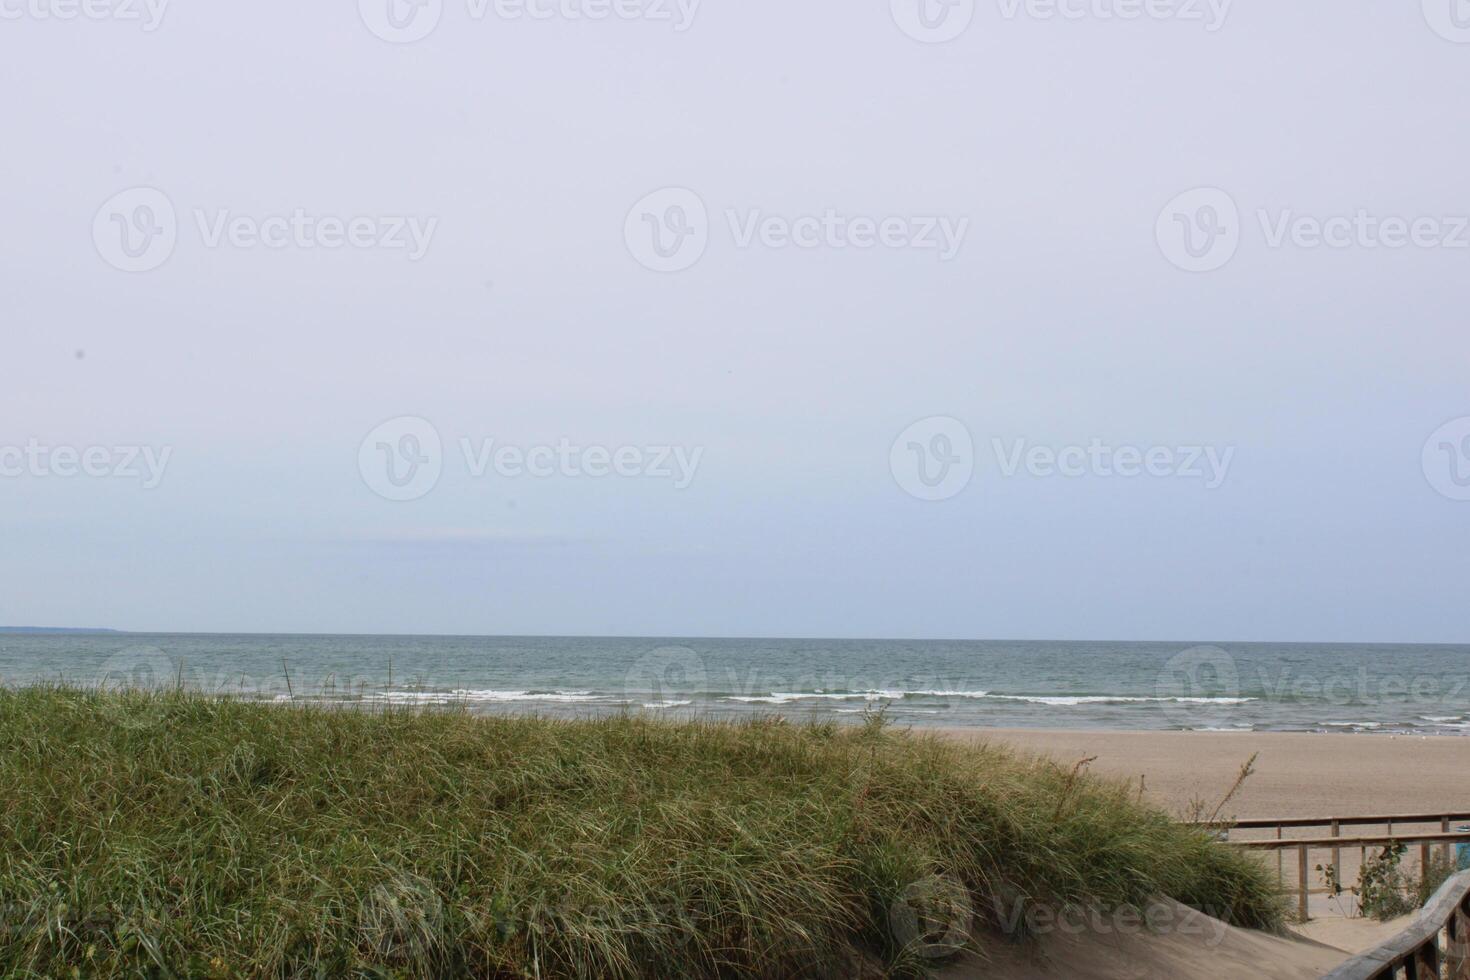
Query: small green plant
[
  {"x": 1440, "y": 870},
  {"x": 1385, "y": 890},
  {"x": 1333, "y": 882}
]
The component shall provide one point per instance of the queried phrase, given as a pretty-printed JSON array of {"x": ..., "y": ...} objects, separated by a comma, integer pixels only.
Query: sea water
[{"x": 1382, "y": 688}]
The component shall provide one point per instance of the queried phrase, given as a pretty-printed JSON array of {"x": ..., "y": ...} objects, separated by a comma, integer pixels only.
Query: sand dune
[{"x": 1197, "y": 948}]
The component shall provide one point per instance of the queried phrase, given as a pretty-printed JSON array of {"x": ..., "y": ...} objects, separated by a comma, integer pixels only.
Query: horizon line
[{"x": 103, "y": 631}]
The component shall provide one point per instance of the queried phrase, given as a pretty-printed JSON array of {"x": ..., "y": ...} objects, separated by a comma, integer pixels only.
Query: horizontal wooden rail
[
  {"x": 1267, "y": 823},
  {"x": 1376, "y": 840}
]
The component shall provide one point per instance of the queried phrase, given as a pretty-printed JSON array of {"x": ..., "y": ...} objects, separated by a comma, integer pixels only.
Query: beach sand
[
  {"x": 1197, "y": 949},
  {"x": 1296, "y": 774}
]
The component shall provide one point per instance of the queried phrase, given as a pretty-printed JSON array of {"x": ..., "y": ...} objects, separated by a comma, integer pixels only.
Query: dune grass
[{"x": 167, "y": 834}]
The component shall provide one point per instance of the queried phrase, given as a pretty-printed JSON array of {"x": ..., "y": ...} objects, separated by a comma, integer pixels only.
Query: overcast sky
[{"x": 865, "y": 313}]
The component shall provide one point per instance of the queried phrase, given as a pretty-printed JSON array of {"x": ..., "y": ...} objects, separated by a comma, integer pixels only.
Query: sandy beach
[{"x": 1296, "y": 774}]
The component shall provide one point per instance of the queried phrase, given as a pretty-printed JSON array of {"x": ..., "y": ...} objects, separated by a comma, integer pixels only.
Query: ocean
[{"x": 1380, "y": 688}]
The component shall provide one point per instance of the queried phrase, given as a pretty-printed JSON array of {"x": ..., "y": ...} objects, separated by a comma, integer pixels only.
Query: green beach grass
[{"x": 148, "y": 834}]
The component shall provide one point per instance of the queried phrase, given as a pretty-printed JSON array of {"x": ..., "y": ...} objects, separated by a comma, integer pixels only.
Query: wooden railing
[
  {"x": 1435, "y": 947},
  {"x": 1335, "y": 841}
]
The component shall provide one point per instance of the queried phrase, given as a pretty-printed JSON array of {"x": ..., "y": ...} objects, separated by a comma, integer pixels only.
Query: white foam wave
[
  {"x": 1073, "y": 701},
  {"x": 494, "y": 697},
  {"x": 785, "y": 697}
]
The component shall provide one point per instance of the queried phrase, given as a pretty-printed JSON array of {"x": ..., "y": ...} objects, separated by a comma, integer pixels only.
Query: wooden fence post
[
  {"x": 1337, "y": 854},
  {"x": 1280, "y": 861},
  {"x": 1301, "y": 867},
  {"x": 1455, "y": 946}
]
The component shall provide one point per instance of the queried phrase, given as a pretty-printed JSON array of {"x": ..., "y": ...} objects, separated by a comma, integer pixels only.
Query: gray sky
[{"x": 530, "y": 154}]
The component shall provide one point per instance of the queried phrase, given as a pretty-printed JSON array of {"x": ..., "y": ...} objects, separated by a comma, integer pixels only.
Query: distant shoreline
[
  {"x": 56, "y": 631},
  {"x": 744, "y": 638}
]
